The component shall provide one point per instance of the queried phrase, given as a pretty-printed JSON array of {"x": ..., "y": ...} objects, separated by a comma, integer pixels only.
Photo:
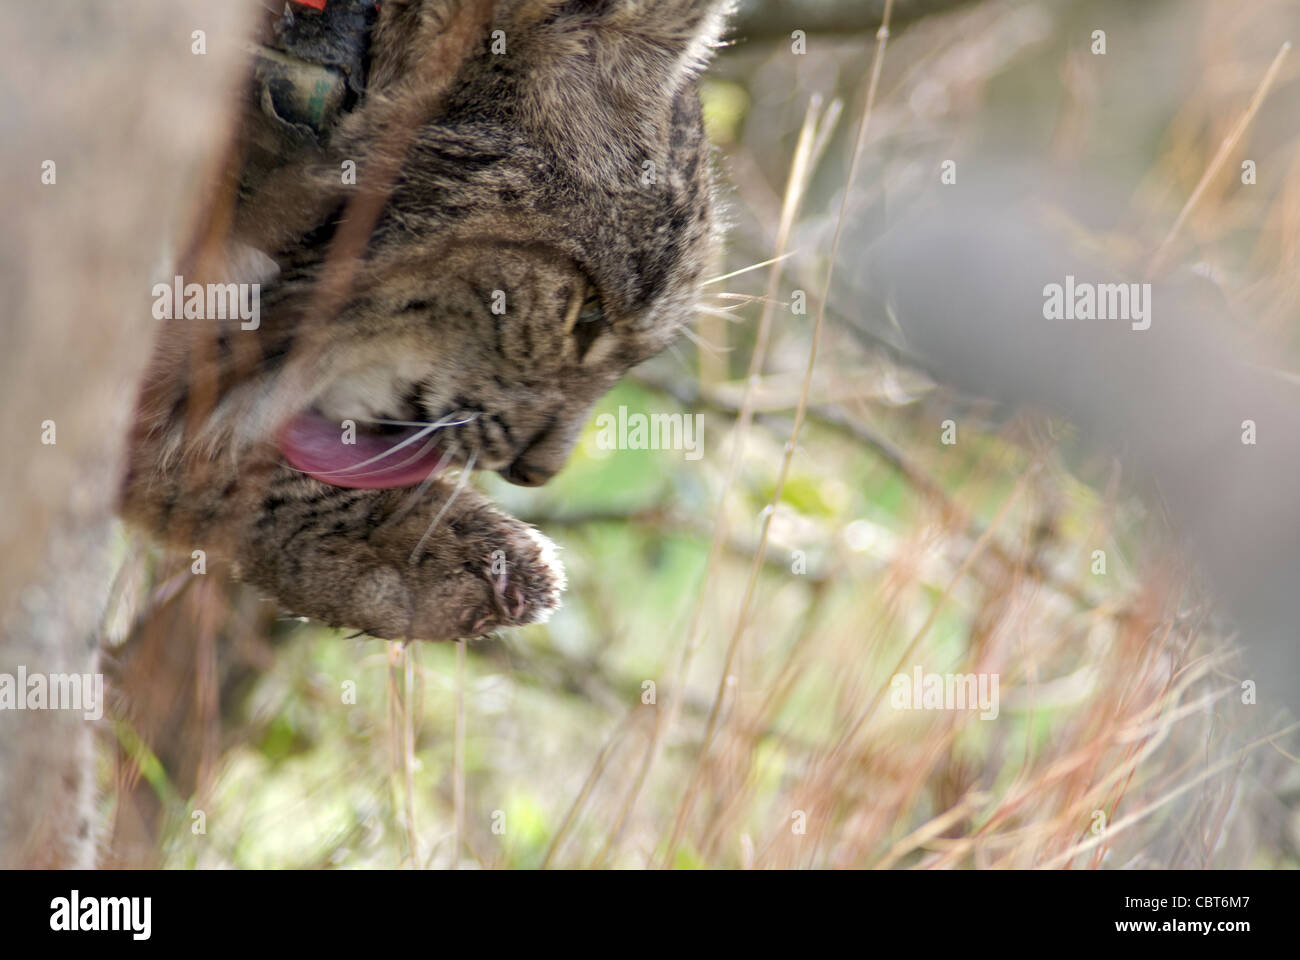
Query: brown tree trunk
[{"x": 127, "y": 113}]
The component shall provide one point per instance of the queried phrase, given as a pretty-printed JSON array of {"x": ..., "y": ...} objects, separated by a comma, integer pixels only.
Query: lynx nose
[
  {"x": 545, "y": 454},
  {"x": 526, "y": 474}
]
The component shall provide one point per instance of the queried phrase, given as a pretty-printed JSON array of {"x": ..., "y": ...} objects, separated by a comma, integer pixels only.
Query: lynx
[
  {"x": 500, "y": 209},
  {"x": 543, "y": 217}
]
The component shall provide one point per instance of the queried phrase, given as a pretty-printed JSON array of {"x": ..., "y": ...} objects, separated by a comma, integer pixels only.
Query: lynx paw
[
  {"x": 524, "y": 581},
  {"x": 455, "y": 566}
]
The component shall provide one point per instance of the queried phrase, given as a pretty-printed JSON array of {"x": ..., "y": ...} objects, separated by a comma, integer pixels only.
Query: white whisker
[
  {"x": 429, "y": 445},
  {"x": 756, "y": 266},
  {"x": 748, "y": 298},
  {"x": 677, "y": 355},
  {"x": 460, "y": 485},
  {"x": 703, "y": 344},
  {"x": 419, "y": 435},
  {"x": 405, "y": 423},
  {"x": 419, "y": 491},
  {"x": 725, "y": 315}
]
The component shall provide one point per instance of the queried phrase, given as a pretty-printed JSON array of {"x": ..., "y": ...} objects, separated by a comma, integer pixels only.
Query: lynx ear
[
  {"x": 604, "y": 75},
  {"x": 682, "y": 32}
]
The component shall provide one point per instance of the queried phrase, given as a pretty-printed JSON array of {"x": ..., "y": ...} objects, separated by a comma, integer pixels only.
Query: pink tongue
[{"x": 398, "y": 459}]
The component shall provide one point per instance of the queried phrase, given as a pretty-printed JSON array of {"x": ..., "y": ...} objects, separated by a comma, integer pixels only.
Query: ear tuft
[
  {"x": 605, "y": 78},
  {"x": 689, "y": 28},
  {"x": 678, "y": 36}
]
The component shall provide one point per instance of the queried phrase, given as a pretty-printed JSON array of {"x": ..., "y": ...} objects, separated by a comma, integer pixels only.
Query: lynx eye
[{"x": 586, "y": 320}]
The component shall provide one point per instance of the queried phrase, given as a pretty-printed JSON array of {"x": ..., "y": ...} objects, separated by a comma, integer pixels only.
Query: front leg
[
  {"x": 376, "y": 560},
  {"x": 371, "y": 559}
]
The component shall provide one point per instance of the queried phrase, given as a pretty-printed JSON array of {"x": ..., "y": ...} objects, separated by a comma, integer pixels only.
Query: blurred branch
[
  {"x": 589, "y": 678},
  {"x": 835, "y": 418},
  {"x": 664, "y": 522}
]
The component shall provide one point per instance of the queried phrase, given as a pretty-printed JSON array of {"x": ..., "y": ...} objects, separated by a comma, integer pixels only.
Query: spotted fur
[{"x": 571, "y": 173}]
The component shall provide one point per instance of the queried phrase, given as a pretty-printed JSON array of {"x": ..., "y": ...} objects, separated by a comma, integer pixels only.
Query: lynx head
[{"x": 543, "y": 215}]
